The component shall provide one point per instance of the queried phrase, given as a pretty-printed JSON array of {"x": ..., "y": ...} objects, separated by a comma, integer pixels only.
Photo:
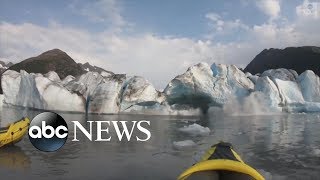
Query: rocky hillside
[
  {"x": 88, "y": 67},
  {"x": 52, "y": 60},
  {"x": 296, "y": 58}
]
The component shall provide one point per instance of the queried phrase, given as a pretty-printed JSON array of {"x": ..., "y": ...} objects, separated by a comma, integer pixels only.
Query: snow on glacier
[
  {"x": 10, "y": 82},
  {"x": 310, "y": 86}
]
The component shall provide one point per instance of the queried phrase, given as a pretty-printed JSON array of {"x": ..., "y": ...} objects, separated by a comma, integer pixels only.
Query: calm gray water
[{"x": 279, "y": 146}]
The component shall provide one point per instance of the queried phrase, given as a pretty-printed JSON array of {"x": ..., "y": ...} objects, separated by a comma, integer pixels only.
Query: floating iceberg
[{"x": 195, "y": 130}]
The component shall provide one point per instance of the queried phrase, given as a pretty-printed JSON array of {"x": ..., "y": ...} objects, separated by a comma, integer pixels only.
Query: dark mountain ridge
[
  {"x": 296, "y": 58},
  {"x": 88, "y": 67},
  {"x": 53, "y": 60}
]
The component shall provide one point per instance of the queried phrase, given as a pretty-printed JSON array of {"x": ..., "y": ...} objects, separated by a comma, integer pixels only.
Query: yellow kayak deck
[{"x": 14, "y": 132}]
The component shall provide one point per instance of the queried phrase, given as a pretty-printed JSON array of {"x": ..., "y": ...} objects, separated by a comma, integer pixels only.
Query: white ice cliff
[
  {"x": 199, "y": 88},
  {"x": 138, "y": 90},
  {"x": 91, "y": 92},
  {"x": 105, "y": 97},
  {"x": 203, "y": 86}
]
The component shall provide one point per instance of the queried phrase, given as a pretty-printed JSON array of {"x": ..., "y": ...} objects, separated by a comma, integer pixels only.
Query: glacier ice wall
[{"x": 193, "y": 92}]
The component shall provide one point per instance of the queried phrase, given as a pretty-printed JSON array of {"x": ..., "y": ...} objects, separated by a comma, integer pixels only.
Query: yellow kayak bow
[{"x": 221, "y": 162}]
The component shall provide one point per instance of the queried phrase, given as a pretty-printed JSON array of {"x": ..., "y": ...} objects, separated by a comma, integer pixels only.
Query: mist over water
[
  {"x": 254, "y": 104},
  {"x": 285, "y": 146}
]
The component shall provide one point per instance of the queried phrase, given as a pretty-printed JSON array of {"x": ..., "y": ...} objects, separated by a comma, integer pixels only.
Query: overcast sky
[{"x": 157, "y": 39}]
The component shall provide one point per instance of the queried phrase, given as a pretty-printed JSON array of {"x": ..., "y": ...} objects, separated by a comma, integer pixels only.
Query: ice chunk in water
[
  {"x": 265, "y": 174},
  {"x": 183, "y": 144},
  {"x": 316, "y": 152},
  {"x": 195, "y": 129}
]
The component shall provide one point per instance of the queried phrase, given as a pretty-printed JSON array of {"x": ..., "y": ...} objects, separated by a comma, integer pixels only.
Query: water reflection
[{"x": 14, "y": 158}]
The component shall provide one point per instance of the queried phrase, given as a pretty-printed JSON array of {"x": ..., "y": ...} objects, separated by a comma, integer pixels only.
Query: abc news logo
[
  {"x": 48, "y": 131},
  {"x": 310, "y": 9}
]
